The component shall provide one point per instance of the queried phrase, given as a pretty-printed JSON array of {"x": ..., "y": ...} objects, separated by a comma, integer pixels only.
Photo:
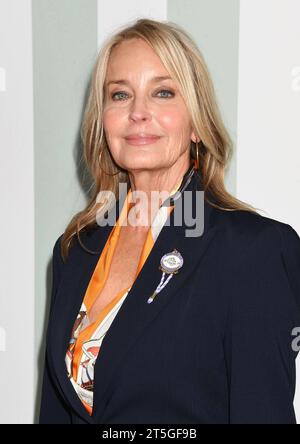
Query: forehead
[{"x": 132, "y": 58}]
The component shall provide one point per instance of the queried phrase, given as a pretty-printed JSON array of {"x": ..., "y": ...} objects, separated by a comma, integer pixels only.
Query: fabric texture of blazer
[{"x": 215, "y": 345}]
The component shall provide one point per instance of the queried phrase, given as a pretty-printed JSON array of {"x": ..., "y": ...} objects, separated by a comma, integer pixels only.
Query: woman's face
[{"x": 139, "y": 104}]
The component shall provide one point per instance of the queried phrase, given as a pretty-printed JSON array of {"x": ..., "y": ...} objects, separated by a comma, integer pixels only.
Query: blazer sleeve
[
  {"x": 53, "y": 409},
  {"x": 260, "y": 343}
]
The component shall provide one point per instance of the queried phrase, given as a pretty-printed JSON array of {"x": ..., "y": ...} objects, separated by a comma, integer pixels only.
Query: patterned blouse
[{"x": 86, "y": 337}]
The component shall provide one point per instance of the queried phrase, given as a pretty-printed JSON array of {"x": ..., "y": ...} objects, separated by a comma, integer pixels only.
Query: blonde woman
[{"x": 157, "y": 318}]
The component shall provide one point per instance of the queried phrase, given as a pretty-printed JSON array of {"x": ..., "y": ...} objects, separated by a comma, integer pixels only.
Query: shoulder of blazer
[
  {"x": 242, "y": 231},
  {"x": 86, "y": 234},
  {"x": 259, "y": 260}
]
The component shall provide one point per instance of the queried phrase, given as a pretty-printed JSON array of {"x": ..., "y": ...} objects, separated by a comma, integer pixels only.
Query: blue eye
[
  {"x": 117, "y": 93},
  {"x": 166, "y": 91},
  {"x": 120, "y": 93}
]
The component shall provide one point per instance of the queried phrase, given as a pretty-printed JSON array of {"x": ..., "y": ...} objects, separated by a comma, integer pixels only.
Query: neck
[{"x": 152, "y": 188}]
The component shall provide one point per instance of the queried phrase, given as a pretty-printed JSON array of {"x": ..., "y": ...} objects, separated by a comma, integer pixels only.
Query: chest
[{"x": 122, "y": 270}]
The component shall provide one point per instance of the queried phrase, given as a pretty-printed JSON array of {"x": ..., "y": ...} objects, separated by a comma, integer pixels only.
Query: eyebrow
[{"x": 125, "y": 82}]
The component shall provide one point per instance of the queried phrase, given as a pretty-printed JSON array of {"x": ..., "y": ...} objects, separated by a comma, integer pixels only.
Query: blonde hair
[{"x": 184, "y": 61}]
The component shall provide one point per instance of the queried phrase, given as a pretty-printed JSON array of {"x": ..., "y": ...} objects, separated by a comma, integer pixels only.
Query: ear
[{"x": 194, "y": 137}]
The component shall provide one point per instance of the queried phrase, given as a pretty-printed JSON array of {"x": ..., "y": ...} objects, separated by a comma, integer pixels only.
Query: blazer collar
[{"x": 135, "y": 314}]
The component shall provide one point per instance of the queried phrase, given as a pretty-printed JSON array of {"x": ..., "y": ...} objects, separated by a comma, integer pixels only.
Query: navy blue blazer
[{"x": 215, "y": 345}]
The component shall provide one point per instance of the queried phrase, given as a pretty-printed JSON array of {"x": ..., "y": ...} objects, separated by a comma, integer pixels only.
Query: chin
[
  {"x": 141, "y": 163},
  {"x": 141, "y": 166}
]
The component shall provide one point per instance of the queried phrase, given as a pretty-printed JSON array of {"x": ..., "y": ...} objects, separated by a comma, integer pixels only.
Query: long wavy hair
[{"x": 185, "y": 63}]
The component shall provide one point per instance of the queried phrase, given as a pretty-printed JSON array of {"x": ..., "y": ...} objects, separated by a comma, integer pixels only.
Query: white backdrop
[{"x": 17, "y": 309}]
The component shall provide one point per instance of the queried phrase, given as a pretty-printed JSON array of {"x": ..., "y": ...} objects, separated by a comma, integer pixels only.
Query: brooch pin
[{"x": 170, "y": 263}]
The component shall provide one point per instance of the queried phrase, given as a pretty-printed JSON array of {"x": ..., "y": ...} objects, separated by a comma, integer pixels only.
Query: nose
[{"x": 139, "y": 110}]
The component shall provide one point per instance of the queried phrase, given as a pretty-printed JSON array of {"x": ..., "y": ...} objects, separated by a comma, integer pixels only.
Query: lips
[
  {"x": 148, "y": 137},
  {"x": 141, "y": 140}
]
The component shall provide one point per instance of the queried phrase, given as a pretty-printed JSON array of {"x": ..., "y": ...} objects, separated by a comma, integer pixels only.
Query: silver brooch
[{"x": 170, "y": 264}]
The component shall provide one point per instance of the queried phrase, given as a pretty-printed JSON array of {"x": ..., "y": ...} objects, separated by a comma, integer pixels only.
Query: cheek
[
  {"x": 112, "y": 120},
  {"x": 173, "y": 120}
]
